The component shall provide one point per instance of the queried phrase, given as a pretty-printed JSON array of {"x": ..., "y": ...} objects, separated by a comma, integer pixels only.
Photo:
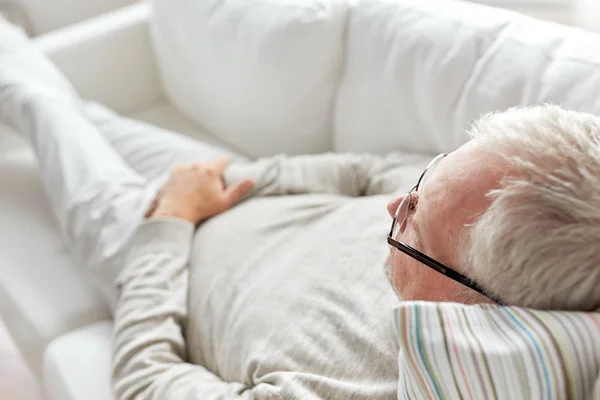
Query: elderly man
[{"x": 281, "y": 304}]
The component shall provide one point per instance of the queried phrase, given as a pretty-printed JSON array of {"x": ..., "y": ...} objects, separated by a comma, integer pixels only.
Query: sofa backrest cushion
[
  {"x": 363, "y": 75},
  {"x": 260, "y": 74},
  {"x": 419, "y": 72}
]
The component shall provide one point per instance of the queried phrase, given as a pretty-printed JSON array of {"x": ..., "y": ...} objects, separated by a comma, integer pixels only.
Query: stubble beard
[{"x": 388, "y": 268}]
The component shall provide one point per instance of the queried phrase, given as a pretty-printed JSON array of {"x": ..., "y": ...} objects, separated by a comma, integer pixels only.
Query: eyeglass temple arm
[{"x": 441, "y": 268}]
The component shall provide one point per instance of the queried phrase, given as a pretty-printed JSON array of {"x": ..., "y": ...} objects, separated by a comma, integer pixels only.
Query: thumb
[{"x": 236, "y": 192}]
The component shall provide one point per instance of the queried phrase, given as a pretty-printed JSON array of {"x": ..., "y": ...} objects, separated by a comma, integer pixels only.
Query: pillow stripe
[
  {"x": 526, "y": 351},
  {"x": 483, "y": 321},
  {"x": 549, "y": 350},
  {"x": 595, "y": 321},
  {"x": 563, "y": 384},
  {"x": 568, "y": 347},
  {"x": 592, "y": 332},
  {"x": 409, "y": 354},
  {"x": 585, "y": 342},
  {"x": 420, "y": 348},
  {"x": 508, "y": 372},
  {"x": 471, "y": 358},
  {"x": 574, "y": 365},
  {"x": 483, "y": 362},
  {"x": 453, "y": 351},
  {"x": 537, "y": 348},
  {"x": 458, "y": 360}
]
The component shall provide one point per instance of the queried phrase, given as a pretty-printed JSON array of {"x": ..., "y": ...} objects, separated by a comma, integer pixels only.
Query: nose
[{"x": 393, "y": 205}]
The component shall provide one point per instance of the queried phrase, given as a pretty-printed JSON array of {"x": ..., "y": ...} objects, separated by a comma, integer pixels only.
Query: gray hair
[{"x": 538, "y": 244}]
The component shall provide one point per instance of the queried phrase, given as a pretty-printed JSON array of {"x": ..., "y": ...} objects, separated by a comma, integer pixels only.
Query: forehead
[{"x": 455, "y": 191}]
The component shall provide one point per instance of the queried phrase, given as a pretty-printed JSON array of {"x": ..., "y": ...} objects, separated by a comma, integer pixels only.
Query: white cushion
[
  {"x": 109, "y": 58},
  {"x": 419, "y": 72},
  {"x": 163, "y": 115},
  {"x": 78, "y": 365},
  {"x": 259, "y": 74},
  {"x": 44, "y": 15}
]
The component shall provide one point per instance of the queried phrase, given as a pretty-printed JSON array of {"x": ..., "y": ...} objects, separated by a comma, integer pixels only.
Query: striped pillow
[{"x": 453, "y": 351}]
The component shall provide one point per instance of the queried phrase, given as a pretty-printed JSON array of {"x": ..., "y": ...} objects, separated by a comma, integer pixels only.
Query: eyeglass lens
[{"x": 403, "y": 208}]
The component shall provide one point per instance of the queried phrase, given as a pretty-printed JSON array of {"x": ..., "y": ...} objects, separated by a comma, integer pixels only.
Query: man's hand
[{"x": 196, "y": 192}]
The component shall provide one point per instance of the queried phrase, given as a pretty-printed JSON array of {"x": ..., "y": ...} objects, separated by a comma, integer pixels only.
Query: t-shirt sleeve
[{"x": 331, "y": 173}]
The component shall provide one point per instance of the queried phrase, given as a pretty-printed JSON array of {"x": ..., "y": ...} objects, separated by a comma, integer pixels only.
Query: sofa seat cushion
[{"x": 78, "y": 364}]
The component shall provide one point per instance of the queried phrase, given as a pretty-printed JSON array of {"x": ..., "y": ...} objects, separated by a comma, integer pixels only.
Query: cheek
[
  {"x": 434, "y": 236},
  {"x": 404, "y": 272}
]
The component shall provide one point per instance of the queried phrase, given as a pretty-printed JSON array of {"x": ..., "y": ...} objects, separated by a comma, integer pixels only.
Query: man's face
[{"x": 454, "y": 196}]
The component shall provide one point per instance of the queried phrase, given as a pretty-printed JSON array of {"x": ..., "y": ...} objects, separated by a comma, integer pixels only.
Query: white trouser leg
[
  {"x": 96, "y": 196},
  {"x": 151, "y": 151},
  {"x": 97, "y": 199}
]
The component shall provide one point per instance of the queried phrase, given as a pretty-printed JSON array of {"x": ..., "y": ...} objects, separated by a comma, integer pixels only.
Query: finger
[
  {"x": 220, "y": 165},
  {"x": 236, "y": 192}
]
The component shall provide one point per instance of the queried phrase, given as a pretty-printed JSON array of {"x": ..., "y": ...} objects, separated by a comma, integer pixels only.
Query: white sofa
[
  {"x": 380, "y": 75},
  {"x": 45, "y": 16}
]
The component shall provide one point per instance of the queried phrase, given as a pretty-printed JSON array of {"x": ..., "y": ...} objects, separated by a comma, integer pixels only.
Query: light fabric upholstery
[
  {"x": 42, "y": 293},
  {"x": 44, "y": 16},
  {"x": 109, "y": 59},
  {"x": 452, "y": 351},
  {"x": 417, "y": 73},
  {"x": 260, "y": 74},
  {"x": 77, "y": 365},
  {"x": 407, "y": 75}
]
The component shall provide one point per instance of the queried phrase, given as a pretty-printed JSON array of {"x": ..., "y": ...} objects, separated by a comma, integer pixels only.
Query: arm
[
  {"x": 149, "y": 346},
  {"x": 344, "y": 174}
]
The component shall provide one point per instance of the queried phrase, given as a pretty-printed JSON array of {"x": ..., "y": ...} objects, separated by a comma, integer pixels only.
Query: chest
[{"x": 294, "y": 284}]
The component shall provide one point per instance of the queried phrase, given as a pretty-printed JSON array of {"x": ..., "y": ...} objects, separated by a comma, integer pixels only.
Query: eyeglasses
[{"x": 399, "y": 221}]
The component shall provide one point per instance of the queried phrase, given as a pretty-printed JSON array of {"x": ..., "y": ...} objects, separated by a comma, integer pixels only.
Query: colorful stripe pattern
[{"x": 453, "y": 351}]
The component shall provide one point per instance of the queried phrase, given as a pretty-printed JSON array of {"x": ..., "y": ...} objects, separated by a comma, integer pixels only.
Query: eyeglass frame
[{"x": 425, "y": 259}]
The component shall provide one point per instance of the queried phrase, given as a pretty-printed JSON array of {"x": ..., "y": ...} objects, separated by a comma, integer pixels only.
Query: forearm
[
  {"x": 149, "y": 346},
  {"x": 335, "y": 173}
]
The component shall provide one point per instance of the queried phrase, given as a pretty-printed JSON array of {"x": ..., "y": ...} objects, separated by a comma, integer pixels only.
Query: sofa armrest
[
  {"x": 109, "y": 58},
  {"x": 78, "y": 365}
]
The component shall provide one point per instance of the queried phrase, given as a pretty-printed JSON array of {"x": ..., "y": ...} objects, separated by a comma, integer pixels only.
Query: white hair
[{"x": 538, "y": 244}]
